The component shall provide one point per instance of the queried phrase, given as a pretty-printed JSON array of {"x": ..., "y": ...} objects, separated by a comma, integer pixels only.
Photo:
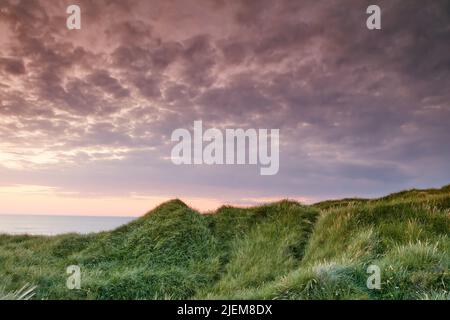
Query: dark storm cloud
[
  {"x": 148, "y": 86},
  {"x": 102, "y": 79},
  {"x": 199, "y": 59},
  {"x": 12, "y": 66},
  {"x": 358, "y": 110}
]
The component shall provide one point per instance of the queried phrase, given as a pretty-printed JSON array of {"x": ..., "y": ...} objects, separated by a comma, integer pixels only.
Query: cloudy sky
[{"x": 86, "y": 115}]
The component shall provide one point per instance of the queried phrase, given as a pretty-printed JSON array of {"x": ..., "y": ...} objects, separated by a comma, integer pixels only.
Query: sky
[{"x": 86, "y": 116}]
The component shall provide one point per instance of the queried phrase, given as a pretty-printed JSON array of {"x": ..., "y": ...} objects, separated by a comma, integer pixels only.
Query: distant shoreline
[{"x": 48, "y": 225}]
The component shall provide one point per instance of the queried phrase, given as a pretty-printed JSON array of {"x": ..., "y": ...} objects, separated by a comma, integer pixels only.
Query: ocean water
[{"x": 53, "y": 225}]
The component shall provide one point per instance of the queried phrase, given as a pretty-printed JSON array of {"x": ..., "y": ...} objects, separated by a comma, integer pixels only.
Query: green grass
[{"x": 284, "y": 250}]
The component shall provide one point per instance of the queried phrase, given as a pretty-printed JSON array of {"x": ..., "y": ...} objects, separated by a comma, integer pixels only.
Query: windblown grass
[
  {"x": 24, "y": 293},
  {"x": 283, "y": 250}
]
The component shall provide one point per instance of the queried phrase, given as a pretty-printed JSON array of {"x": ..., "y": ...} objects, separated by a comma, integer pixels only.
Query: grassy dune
[{"x": 284, "y": 250}]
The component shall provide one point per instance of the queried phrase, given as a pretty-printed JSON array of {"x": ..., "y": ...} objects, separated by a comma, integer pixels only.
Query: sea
[{"x": 55, "y": 225}]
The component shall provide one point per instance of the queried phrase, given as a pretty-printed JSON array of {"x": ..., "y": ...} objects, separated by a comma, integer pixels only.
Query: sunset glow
[{"x": 86, "y": 115}]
